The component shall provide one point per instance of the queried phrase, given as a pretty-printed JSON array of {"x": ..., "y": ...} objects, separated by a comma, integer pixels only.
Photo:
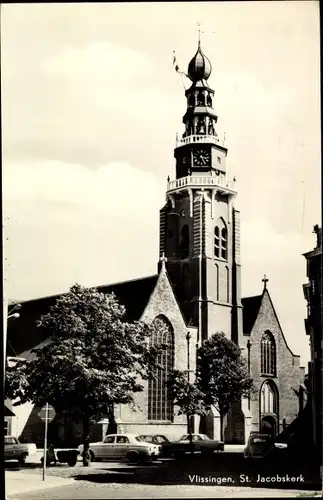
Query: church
[{"x": 195, "y": 293}]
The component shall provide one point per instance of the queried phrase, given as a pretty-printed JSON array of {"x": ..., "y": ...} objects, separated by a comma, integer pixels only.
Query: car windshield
[{"x": 139, "y": 438}]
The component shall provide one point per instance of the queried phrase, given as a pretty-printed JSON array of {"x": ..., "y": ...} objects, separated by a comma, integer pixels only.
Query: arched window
[
  {"x": 160, "y": 407},
  {"x": 268, "y": 398},
  {"x": 268, "y": 354},
  {"x": 221, "y": 240},
  {"x": 185, "y": 242}
]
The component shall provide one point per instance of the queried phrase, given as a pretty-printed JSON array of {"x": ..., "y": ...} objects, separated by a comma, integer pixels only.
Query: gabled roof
[{"x": 251, "y": 306}]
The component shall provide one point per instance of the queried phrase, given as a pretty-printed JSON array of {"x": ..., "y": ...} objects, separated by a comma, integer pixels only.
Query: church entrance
[{"x": 268, "y": 425}]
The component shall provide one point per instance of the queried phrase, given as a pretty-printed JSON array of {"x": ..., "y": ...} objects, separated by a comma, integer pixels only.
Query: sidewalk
[{"x": 18, "y": 482}]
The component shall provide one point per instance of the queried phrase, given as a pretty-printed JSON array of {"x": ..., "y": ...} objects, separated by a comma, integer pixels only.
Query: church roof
[
  {"x": 133, "y": 294},
  {"x": 22, "y": 334},
  {"x": 251, "y": 306}
]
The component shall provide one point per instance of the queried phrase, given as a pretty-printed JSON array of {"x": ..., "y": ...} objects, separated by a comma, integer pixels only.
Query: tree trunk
[
  {"x": 189, "y": 431},
  {"x": 86, "y": 442},
  {"x": 221, "y": 426},
  {"x": 112, "y": 426}
]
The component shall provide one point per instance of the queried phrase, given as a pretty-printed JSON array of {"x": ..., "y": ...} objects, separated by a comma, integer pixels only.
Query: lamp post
[
  {"x": 248, "y": 347},
  {"x": 188, "y": 338}
]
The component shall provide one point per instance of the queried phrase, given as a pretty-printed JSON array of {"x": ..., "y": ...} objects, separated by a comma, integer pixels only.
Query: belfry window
[
  {"x": 224, "y": 251},
  {"x": 216, "y": 241},
  {"x": 268, "y": 354},
  {"x": 221, "y": 240},
  {"x": 160, "y": 407}
]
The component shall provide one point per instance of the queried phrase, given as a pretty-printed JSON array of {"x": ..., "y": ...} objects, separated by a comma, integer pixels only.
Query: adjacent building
[{"x": 313, "y": 326}]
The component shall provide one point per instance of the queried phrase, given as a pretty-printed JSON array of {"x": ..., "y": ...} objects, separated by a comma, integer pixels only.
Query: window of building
[
  {"x": 221, "y": 240},
  {"x": 224, "y": 243},
  {"x": 268, "y": 354},
  {"x": 6, "y": 427},
  {"x": 268, "y": 398},
  {"x": 160, "y": 407},
  {"x": 218, "y": 159},
  {"x": 216, "y": 241}
]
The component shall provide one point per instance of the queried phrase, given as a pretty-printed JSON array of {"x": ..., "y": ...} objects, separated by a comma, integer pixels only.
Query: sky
[{"x": 91, "y": 105}]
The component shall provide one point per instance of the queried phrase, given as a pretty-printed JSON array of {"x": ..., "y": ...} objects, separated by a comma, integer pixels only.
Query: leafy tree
[
  {"x": 187, "y": 396},
  {"x": 222, "y": 374},
  {"x": 95, "y": 360}
]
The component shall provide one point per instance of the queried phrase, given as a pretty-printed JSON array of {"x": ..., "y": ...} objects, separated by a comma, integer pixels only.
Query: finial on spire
[
  {"x": 199, "y": 34},
  {"x": 265, "y": 281}
]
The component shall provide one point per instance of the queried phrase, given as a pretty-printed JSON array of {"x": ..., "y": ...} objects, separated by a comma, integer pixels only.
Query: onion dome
[{"x": 200, "y": 67}]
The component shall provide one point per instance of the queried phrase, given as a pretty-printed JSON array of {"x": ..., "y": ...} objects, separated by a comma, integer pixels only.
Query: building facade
[
  {"x": 313, "y": 326},
  {"x": 196, "y": 293}
]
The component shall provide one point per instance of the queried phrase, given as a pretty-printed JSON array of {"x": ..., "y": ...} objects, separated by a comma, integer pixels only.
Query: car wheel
[
  {"x": 133, "y": 457},
  {"x": 22, "y": 458}
]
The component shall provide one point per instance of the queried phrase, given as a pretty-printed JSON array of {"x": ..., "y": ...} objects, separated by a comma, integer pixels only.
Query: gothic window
[
  {"x": 227, "y": 276},
  {"x": 268, "y": 398},
  {"x": 216, "y": 241},
  {"x": 268, "y": 354},
  {"x": 185, "y": 242},
  {"x": 224, "y": 249},
  {"x": 209, "y": 100},
  {"x": 160, "y": 407},
  {"x": 221, "y": 240}
]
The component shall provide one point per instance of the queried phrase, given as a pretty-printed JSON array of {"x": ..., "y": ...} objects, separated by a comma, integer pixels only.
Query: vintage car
[
  {"x": 121, "y": 446},
  {"x": 14, "y": 450},
  {"x": 263, "y": 446},
  {"x": 200, "y": 443},
  {"x": 154, "y": 438}
]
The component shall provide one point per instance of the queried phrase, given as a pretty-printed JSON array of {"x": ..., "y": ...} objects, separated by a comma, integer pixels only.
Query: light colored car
[
  {"x": 200, "y": 443},
  {"x": 14, "y": 450},
  {"x": 262, "y": 445},
  {"x": 121, "y": 446}
]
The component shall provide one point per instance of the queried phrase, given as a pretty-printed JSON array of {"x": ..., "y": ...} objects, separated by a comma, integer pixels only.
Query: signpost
[{"x": 47, "y": 414}]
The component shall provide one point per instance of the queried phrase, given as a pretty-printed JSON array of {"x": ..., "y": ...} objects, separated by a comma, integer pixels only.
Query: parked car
[
  {"x": 154, "y": 438},
  {"x": 200, "y": 443},
  {"x": 120, "y": 446},
  {"x": 14, "y": 450},
  {"x": 263, "y": 445}
]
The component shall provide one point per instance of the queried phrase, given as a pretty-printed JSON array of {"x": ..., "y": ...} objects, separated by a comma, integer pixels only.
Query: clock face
[{"x": 201, "y": 158}]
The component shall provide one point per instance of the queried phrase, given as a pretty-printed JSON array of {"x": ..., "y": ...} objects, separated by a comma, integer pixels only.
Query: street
[{"x": 192, "y": 477}]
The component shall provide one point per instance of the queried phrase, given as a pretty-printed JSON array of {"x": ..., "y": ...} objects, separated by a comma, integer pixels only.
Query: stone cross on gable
[
  {"x": 265, "y": 281},
  {"x": 163, "y": 259}
]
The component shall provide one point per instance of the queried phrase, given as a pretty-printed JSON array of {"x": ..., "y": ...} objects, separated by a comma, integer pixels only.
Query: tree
[
  {"x": 222, "y": 374},
  {"x": 94, "y": 360},
  {"x": 187, "y": 396}
]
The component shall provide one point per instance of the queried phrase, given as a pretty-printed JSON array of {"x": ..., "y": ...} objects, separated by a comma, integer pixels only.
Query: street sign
[{"x": 47, "y": 411}]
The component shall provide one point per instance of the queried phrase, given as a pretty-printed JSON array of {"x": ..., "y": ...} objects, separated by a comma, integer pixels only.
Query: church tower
[{"x": 199, "y": 227}]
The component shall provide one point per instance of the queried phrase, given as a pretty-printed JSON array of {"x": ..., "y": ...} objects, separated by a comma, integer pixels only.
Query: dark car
[
  {"x": 154, "y": 438},
  {"x": 263, "y": 446},
  {"x": 200, "y": 443}
]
